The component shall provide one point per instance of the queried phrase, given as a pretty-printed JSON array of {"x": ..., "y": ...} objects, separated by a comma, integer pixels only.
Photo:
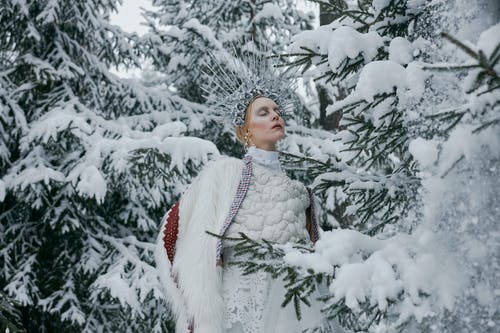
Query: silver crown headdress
[{"x": 233, "y": 82}]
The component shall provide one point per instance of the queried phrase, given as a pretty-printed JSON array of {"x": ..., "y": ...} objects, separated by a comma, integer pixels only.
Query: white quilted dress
[{"x": 273, "y": 209}]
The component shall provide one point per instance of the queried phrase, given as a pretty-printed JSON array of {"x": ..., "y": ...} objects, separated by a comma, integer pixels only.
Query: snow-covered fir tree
[
  {"x": 89, "y": 163},
  {"x": 415, "y": 166}
]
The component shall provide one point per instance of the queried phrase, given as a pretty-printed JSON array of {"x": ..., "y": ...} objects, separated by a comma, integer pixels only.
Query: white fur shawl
[{"x": 204, "y": 206}]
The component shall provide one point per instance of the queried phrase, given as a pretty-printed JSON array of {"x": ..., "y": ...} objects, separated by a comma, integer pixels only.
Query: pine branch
[
  {"x": 490, "y": 123},
  {"x": 10, "y": 315},
  {"x": 487, "y": 78},
  {"x": 268, "y": 256},
  {"x": 449, "y": 67},
  {"x": 479, "y": 56},
  {"x": 454, "y": 164},
  {"x": 360, "y": 320},
  {"x": 489, "y": 90}
]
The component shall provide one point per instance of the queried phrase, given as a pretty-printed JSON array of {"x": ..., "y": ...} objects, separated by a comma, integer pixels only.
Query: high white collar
[{"x": 265, "y": 157}]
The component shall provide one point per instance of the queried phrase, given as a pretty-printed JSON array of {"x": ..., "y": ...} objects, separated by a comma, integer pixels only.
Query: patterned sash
[
  {"x": 314, "y": 222},
  {"x": 241, "y": 192}
]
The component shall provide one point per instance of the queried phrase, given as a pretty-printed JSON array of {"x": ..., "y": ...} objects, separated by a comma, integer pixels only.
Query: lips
[{"x": 276, "y": 126}]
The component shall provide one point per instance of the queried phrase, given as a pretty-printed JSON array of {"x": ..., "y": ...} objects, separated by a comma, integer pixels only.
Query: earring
[{"x": 247, "y": 140}]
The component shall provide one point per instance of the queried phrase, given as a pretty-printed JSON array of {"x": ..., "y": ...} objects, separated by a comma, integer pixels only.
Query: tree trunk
[{"x": 326, "y": 16}]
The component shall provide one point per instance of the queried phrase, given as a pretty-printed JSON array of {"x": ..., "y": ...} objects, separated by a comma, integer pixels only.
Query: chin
[{"x": 281, "y": 137}]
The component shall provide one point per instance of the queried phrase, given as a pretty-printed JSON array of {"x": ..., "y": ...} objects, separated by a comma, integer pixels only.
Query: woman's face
[{"x": 265, "y": 126}]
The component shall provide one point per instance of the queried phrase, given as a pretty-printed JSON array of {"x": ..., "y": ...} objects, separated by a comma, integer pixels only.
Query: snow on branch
[{"x": 395, "y": 280}]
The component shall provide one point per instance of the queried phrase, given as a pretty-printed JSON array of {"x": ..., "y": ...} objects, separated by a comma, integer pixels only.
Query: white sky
[{"x": 129, "y": 15}]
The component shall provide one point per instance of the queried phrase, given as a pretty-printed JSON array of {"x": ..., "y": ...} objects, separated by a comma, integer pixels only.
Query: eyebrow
[{"x": 266, "y": 108}]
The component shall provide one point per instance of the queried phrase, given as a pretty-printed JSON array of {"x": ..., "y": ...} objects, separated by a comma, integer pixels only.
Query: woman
[{"x": 229, "y": 196}]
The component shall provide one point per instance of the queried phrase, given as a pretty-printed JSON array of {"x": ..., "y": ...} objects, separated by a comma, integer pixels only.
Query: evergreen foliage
[
  {"x": 89, "y": 163},
  {"x": 10, "y": 316},
  {"x": 377, "y": 147},
  {"x": 482, "y": 88}
]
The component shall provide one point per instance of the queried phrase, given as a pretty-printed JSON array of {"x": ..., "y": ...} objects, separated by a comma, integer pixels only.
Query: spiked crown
[{"x": 234, "y": 81}]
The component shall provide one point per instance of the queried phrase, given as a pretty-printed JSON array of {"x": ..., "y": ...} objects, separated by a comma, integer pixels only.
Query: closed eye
[{"x": 265, "y": 110}]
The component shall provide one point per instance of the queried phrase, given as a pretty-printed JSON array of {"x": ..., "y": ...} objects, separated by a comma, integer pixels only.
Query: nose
[{"x": 275, "y": 115}]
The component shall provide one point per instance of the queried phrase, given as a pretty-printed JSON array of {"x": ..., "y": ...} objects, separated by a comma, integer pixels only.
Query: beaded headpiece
[{"x": 233, "y": 82}]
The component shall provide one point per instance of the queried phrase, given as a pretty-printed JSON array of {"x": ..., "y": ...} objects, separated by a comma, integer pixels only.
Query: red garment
[{"x": 171, "y": 230}]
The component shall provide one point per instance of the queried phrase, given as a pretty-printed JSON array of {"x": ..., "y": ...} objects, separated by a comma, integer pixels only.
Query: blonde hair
[{"x": 242, "y": 130}]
